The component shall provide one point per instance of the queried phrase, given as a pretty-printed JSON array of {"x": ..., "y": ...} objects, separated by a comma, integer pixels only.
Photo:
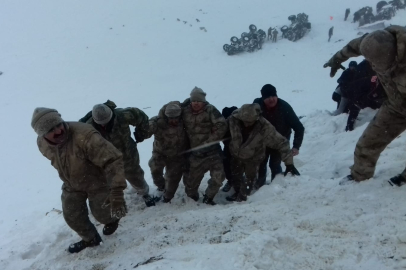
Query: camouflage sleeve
[
  {"x": 153, "y": 126},
  {"x": 138, "y": 119},
  {"x": 274, "y": 140},
  {"x": 350, "y": 50},
  {"x": 104, "y": 155},
  {"x": 219, "y": 128}
]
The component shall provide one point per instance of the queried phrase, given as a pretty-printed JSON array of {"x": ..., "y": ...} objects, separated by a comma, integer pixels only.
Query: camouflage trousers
[
  {"x": 384, "y": 128},
  {"x": 76, "y": 213},
  {"x": 239, "y": 167},
  {"x": 175, "y": 167},
  {"x": 198, "y": 167},
  {"x": 134, "y": 173}
]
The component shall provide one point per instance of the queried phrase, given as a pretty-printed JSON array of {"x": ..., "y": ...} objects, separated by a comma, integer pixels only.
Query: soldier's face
[
  {"x": 57, "y": 135},
  {"x": 271, "y": 102},
  {"x": 173, "y": 121},
  {"x": 197, "y": 105}
]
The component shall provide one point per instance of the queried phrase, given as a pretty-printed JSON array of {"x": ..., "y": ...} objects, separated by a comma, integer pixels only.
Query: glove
[
  {"x": 138, "y": 137},
  {"x": 118, "y": 208},
  {"x": 291, "y": 169},
  {"x": 335, "y": 65}
]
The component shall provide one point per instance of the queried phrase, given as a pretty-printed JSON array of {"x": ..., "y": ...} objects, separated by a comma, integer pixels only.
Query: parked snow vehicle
[
  {"x": 300, "y": 25},
  {"x": 398, "y": 4},
  {"x": 385, "y": 13},
  {"x": 248, "y": 42},
  {"x": 360, "y": 13},
  {"x": 380, "y": 5}
]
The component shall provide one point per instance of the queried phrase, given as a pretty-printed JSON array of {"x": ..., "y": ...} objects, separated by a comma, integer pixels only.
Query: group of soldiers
[
  {"x": 272, "y": 34},
  {"x": 94, "y": 158}
]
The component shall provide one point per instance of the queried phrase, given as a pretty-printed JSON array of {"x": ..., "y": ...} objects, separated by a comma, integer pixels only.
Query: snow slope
[{"x": 72, "y": 55}]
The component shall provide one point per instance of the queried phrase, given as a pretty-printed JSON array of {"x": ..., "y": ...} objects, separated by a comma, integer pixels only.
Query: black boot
[
  {"x": 226, "y": 187},
  {"x": 110, "y": 228},
  {"x": 398, "y": 180},
  {"x": 232, "y": 198},
  {"x": 241, "y": 197},
  {"x": 150, "y": 201},
  {"x": 195, "y": 197},
  {"x": 208, "y": 200},
  {"x": 165, "y": 200},
  {"x": 349, "y": 179},
  {"x": 81, "y": 245}
]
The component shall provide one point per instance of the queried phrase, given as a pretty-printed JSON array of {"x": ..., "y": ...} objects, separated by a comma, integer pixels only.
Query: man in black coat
[
  {"x": 363, "y": 93},
  {"x": 281, "y": 115},
  {"x": 346, "y": 78}
]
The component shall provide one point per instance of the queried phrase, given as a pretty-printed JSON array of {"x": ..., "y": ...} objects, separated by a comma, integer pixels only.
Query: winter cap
[
  {"x": 101, "y": 114},
  {"x": 353, "y": 64},
  {"x": 379, "y": 47},
  {"x": 268, "y": 90},
  {"x": 227, "y": 111},
  {"x": 197, "y": 94},
  {"x": 248, "y": 112},
  {"x": 173, "y": 110},
  {"x": 44, "y": 119}
]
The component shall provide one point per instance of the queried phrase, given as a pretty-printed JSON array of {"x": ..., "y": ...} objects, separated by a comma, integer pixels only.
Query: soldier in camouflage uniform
[
  {"x": 91, "y": 169},
  {"x": 170, "y": 144},
  {"x": 250, "y": 135},
  {"x": 205, "y": 127},
  {"x": 113, "y": 124},
  {"x": 385, "y": 50}
]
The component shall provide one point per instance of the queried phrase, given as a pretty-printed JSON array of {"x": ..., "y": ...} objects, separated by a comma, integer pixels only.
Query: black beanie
[{"x": 268, "y": 90}]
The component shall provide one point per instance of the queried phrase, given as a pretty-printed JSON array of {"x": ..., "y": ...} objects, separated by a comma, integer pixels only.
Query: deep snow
[{"x": 72, "y": 55}]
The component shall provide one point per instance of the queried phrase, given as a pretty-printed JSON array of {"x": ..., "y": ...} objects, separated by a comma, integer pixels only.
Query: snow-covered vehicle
[
  {"x": 361, "y": 12},
  {"x": 248, "y": 42},
  {"x": 385, "y": 12},
  {"x": 398, "y": 4},
  {"x": 300, "y": 25}
]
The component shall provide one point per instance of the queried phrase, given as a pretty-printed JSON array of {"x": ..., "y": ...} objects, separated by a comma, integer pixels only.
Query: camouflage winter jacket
[
  {"x": 263, "y": 135},
  {"x": 85, "y": 161},
  {"x": 118, "y": 131},
  {"x": 394, "y": 82},
  {"x": 168, "y": 141},
  {"x": 204, "y": 129}
]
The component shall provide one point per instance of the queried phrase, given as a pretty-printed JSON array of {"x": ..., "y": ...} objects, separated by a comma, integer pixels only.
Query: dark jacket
[
  {"x": 284, "y": 119},
  {"x": 364, "y": 70},
  {"x": 364, "y": 93},
  {"x": 346, "y": 77}
]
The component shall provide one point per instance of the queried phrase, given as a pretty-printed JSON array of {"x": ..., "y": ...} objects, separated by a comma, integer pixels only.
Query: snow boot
[
  {"x": 208, "y": 200},
  {"x": 232, "y": 198},
  {"x": 81, "y": 245},
  {"x": 226, "y": 187},
  {"x": 347, "y": 180},
  {"x": 110, "y": 228},
  {"x": 165, "y": 200},
  {"x": 398, "y": 180},
  {"x": 241, "y": 198},
  {"x": 194, "y": 197},
  {"x": 150, "y": 200}
]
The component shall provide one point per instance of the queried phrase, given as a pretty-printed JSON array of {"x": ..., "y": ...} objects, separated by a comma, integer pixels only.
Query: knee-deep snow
[{"x": 71, "y": 55}]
